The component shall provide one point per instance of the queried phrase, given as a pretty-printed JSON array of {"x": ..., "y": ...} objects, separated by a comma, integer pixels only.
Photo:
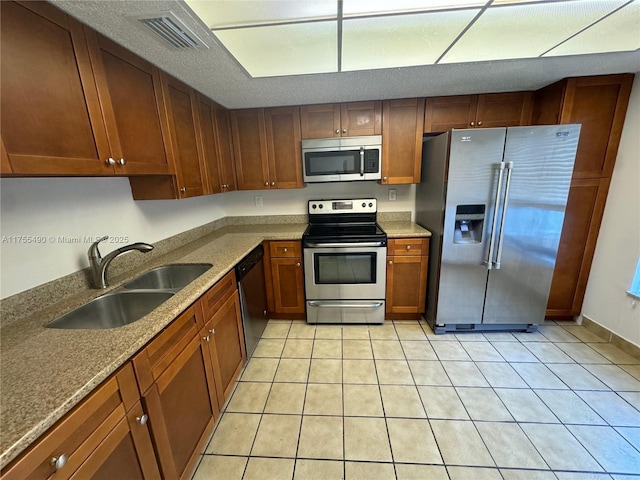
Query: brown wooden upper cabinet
[
  {"x": 477, "y": 111},
  {"x": 598, "y": 103},
  {"x": 48, "y": 91},
  {"x": 216, "y": 146},
  {"x": 402, "y": 140},
  {"x": 130, "y": 95},
  {"x": 341, "y": 119},
  {"x": 266, "y": 145}
]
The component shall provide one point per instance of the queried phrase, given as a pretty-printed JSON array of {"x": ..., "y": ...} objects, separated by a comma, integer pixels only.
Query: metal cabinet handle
[
  {"x": 207, "y": 338},
  {"x": 390, "y": 262},
  {"x": 143, "y": 419},
  {"x": 472, "y": 123},
  {"x": 408, "y": 247},
  {"x": 110, "y": 161},
  {"x": 297, "y": 264},
  {"x": 58, "y": 462},
  {"x": 384, "y": 179},
  {"x": 344, "y": 130},
  {"x": 480, "y": 123},
  {"x": 496, "y": 205},
  {"x": 122, "y": 161},
  {"x": 338, "y": 131},
  {"x": 266, "y": 184},
  {"x": 273, "y": 184},
  {"x": 285, "y": 249},
  {"x": 212, "y": 331},
  {"x": 183, "y": 189},
  {"x": 507, "y": 186}
]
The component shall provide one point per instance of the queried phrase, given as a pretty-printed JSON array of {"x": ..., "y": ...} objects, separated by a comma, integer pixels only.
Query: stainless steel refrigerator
[{"x": 494, "y": 200}]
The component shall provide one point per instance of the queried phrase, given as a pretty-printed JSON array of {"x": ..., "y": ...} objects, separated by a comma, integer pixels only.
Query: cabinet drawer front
[
  {"x": 408, "y": 246},
  {"x": 77, "y": 434},
  {"x": 218, "y": 294},
  {"x": 285, "y": 249}
]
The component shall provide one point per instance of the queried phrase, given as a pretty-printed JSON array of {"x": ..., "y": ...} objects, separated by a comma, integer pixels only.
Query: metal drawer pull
[
  {"x": 143, "y": 419},
  {"x": 285, "y": 249},
  {"x": 110, "y": 161},
  {"x": 408, "y": 247},
  {"x": 58, "y": 462},
  {"x": 345, "y": 305}
]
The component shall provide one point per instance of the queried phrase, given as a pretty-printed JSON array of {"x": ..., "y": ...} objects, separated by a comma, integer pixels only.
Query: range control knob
[
  {"x": 314, "y": 206},
  {"x": 370, "y": 204},
  {"x": 320, "y": 206},
  {"x": 364, "y": 204}
]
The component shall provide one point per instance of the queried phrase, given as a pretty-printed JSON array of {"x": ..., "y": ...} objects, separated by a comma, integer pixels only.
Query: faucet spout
[{"x": 100, "y": 264}]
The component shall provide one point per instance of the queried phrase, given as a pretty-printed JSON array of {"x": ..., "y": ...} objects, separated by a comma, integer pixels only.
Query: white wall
[
  {"x": 618, "y": 245},
  {"x": 294, "y": 201},
  {"x": 51, "y": 208}
]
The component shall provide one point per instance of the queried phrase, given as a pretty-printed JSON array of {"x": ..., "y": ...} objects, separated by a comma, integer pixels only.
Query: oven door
[{"x": 345, "y": 272}]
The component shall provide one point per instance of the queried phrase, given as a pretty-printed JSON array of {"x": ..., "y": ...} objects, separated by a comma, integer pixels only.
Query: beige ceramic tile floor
[{"x": 397, "y": 402}]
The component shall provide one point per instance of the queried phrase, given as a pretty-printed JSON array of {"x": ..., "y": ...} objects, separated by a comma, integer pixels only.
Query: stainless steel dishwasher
[{"x": 253, "y": 297}]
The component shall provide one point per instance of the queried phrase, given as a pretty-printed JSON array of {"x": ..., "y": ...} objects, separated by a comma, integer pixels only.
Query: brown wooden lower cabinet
[
  {"x": 407, "y": 260},
  {"x": 285, "y": 277},
  {"x": 182, "y": 402},
  {"x": 583, "y": 216},
  {"x": 100, "y": 438}
]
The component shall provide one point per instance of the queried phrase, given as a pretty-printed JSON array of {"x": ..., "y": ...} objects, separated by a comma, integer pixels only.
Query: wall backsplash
[{"x": 47, "y": 224}]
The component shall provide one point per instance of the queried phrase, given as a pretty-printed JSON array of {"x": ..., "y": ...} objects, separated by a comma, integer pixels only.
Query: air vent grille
[{"x": 171, "y": 30}]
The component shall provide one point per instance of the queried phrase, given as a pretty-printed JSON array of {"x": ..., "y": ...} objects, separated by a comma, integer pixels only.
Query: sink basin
[
  {"x": 168, "y": 277},
  {"x": 111, "y": 310}
]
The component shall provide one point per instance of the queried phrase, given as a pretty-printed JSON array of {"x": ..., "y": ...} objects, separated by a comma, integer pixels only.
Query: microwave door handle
[{"x": 362, "y": 161}]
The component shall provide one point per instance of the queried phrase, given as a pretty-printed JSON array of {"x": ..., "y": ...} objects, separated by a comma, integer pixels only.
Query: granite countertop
[{"x": 45, "y": 372}]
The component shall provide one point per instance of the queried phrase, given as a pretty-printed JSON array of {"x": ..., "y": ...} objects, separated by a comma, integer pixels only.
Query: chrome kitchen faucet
[{"x": 99, "y": 264}]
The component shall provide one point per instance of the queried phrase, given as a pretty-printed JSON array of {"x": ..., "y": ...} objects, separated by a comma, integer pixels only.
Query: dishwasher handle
[{"x": 247, "y": 263}]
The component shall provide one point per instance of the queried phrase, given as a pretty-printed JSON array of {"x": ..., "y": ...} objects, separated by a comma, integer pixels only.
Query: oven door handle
[
  {"x": 316, "y": 303},
  {"x": 338, "y": 245}
]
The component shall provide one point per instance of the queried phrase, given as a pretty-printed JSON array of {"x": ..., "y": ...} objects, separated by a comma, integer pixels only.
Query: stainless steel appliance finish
[
  {"x": 253, "y": 297},
  {"x": 343, "y": 159},
  {"x": 494, "y": 200},
  {"x": 344, "y": 254}
]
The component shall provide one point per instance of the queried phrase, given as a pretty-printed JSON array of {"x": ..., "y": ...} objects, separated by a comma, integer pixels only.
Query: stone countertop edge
[{"x": 45, "y": 372}]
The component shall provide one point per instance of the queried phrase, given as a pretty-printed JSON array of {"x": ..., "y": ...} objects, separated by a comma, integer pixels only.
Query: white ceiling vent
[{"x": 171, "y": 29}]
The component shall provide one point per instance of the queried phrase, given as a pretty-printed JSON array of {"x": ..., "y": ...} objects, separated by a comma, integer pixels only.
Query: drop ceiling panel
[
  {"x": 227, "y": 13},
  {"x": 369, "y": 7},
  {"x": 293, "y": 49},
  {"x": 525, "y": 30},
  {"x": 618, "y": 32},
  {"x": 401, "y": 40}
]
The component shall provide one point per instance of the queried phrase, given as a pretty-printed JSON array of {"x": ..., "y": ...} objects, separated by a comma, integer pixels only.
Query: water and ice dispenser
[{"x": 469, "y": 224}]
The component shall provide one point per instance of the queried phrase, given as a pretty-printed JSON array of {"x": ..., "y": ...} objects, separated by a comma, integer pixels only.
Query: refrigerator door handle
[
  {"x": 509, "y": 167},
  {"x": 496, "y": 205}
]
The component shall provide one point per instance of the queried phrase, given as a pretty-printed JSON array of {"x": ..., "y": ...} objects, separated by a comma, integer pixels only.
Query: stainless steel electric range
[{"x": 345, "y": 253}]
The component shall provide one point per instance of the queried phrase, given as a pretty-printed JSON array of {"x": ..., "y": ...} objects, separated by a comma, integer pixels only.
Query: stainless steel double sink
[{"x": 133, "y": 300}]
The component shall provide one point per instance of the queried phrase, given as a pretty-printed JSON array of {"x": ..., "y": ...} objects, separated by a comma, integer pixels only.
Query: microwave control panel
[{"x": 371, "y": 161}]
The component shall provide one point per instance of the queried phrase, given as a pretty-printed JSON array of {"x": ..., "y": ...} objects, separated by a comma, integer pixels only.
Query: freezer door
[
  {"x": 474, "y": 158},
  {"x": 525, "y": 255}
]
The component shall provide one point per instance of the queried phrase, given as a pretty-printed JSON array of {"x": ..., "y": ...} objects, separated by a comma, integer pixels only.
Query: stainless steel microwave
[{"x": 344, "y": 159}]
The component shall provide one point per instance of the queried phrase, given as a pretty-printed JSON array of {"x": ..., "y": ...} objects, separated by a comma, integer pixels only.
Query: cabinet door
[
  {"x": 445, "y": 113},
  {"x": 48, "y": 91},
  {"x": 127, "y": 452},
  {"x": 406, "y": 283},
  {"x": 130, "y": 94},
  {"x": 600, "y": 105},
  {"x": 250, "y": 148},
  {"x": 583, "y": 215},
  {"x": 320, "y": 121},
  {"x": 283, "y": 147},
  {"x": 182, "y": 113},
  {"x": 209, "y": 147},
  {"x": 402, "y": 140},
  {"x": 288, "y": 285},
  {"x": 225, "y": 152},
  {"x": 360, "y": 118},
  {"x": 227, "y": 349},
  {"x": 181, "y": 410},
  {"x": 504, "y": 109}
]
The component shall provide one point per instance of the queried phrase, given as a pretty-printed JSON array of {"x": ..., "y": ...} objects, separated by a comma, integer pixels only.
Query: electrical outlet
[
  {"x": 258, "y": 200},
  {"x": 393, "y": 194}
]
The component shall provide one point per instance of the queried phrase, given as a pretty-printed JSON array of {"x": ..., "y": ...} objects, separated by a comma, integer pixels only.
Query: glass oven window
[
  {"x": 332, "y": 163},
  {"x": 344, "y": 268}
]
